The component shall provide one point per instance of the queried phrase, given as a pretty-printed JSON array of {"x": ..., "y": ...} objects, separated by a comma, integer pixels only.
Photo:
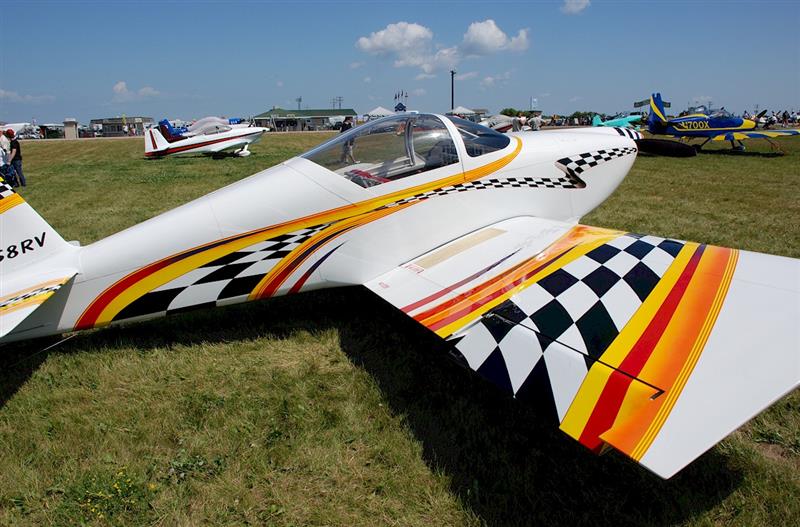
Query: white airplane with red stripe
[
  {"x": 655, "y": 347},
  {"x": 215, "y": 140}
]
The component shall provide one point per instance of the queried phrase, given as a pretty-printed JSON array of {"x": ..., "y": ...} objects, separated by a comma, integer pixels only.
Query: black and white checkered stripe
[
  {"x": 628, "y": 132},
  {"x": 567, "y": 181},
  {"x": 5, "y": 189},
  {"x": 577, "y": 311},
  {"x": 227, "y": 279},
  {"x": 580, "y": 163},
  {"x": 19, "y": 298}
]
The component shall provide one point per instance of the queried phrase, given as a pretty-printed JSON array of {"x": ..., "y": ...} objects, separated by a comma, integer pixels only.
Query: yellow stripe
[
  {"x": 173, "y": 271},
  {"x": 656, "y": 110},
  {"x": 571, "y": 256},
  {"x": 688, "y": 367},
  {"x": 34, "y": 300},
  {"x": 340, "y": 226},
  {"x": 588, "y": 394},
  {"x": 10, "y": 202}
]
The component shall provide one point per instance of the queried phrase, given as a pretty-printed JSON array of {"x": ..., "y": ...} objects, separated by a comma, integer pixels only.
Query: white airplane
[
  {"x": 24, "y": 130},
  {"x": 208, "y": 136},
  {"x": 656, "y": 347}
]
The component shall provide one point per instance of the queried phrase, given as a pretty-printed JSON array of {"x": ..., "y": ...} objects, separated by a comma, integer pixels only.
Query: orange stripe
[
  {"x": 583, "y": 237},
  {"x": 676, "y": 353}
]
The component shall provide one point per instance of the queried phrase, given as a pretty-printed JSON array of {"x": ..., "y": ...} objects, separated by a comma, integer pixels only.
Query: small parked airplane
[
  {"x": 208, "y": 136},
  {"x": 719, "y": 126},
  {"x": 656, "y": 347},
  {"x": 624, "y": 121}
]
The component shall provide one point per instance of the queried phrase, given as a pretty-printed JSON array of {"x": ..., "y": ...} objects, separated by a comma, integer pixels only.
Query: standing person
[
  {"x": 347, "y": 147},
  {"x": 536, "y": 121},
  {"x": 15, "y": 156}
]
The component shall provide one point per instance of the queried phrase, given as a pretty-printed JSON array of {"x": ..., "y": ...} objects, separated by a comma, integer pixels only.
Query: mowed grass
[{"x": 331, "y": 408}]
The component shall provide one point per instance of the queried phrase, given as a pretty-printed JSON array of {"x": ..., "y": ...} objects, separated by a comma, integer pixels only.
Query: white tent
[
  {"x": 380, "y": 111},
  {"x": 460, "y": 111}
]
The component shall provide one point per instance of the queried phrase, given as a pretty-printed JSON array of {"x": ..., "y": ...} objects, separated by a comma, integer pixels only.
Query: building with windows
[
  {"x": 283, "y": 120},
  {"x": 122, "y": 126}
]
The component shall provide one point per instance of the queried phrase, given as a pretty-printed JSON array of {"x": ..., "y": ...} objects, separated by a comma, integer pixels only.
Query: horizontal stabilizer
[{"x": 21, "y": 296}]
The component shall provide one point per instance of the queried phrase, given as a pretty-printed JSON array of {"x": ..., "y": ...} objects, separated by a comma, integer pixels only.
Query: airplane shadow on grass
[{"x": 506, "y": 461}]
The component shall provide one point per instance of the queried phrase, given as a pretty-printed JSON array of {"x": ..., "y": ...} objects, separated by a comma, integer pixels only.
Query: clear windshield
[
  {"x": 478, "y": 139},
  {"x": 388, "y": 149}
]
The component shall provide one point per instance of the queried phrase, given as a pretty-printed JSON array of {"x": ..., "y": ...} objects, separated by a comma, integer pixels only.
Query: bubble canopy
[{"x": 399, "y": 146}]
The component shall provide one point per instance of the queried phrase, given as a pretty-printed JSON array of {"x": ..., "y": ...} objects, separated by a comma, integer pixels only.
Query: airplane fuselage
[{"x": 299, "y": 226}]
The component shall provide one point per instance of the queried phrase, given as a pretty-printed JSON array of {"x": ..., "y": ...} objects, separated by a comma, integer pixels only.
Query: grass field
[{"x": 331, "y": 408}]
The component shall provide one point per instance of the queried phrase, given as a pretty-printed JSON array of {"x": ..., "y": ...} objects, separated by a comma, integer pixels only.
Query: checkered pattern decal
[
  {"x": 541, "y": 342},
  {"x": 565, "y": 181},
  {"x": 229, "y": 277},
  {"x": 627, "y": 132},
  {"x": 9, "y": 302},
  {"x": 576, "y": 165},
  {"x": 5, "y": 189}
]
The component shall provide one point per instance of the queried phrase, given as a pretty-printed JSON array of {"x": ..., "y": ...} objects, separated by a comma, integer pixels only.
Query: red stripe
[
  {"x": 430, "y": 298},
  {"x": 477, "y": 304},
  {"x": 153, "y": 140},
  {"x": 197, "y": 145},
  {"x": 89, "y": 317},
  {"x": 610, "y": 400}
]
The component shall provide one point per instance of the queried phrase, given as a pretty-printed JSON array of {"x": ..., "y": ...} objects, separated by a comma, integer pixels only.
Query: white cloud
[
  {"x": 573, "y": 7},
  {"x": 407, "y": 43},
  {"x": 575, "y": 98},
  {"x": 485, "y": 38},
  {"x": 12, "y": 96},
  {"x": 492, "y": 80},
  {"x": 356, "y": 65},
  {"x": 279, "y": 84},
  {"x": 466, "y": 76},
  {"x": 419, "y": 92},
  {"x": 423, "y": 76},
  {"x": 367, "y": 79},
  {"x": 123, "y": 94},
  {"x": 412, "y": 45}
]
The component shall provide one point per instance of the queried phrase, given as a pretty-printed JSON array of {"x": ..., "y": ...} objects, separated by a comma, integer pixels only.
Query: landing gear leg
[
  {"x": 701, "y": 145},
  {"x": 244, "y": 152},
  {"x": 737, "y": 148}
]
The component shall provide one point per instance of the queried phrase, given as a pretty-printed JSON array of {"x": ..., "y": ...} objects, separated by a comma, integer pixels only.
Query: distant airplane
[
  {"x": 210, "y": 136},
  {"x": 656, "y": 347},
  {"x": 719, "y": 126},
  {"x": 622, "y": 121},
  {"x": 24, "y": 130}
]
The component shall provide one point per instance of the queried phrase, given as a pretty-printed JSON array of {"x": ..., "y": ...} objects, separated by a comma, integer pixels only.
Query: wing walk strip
[{"x": 128, "y": 289}]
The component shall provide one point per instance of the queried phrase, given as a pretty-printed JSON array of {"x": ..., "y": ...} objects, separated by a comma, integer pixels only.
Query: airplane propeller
[{"x": 758, "y": 117}]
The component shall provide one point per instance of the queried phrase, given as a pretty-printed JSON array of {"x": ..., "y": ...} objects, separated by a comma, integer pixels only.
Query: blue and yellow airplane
[{"x": 719, "y": 126}]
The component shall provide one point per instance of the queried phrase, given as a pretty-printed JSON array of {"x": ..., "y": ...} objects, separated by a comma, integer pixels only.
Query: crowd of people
[
  {"x": 11, "y": 159},
  {"x": 784, "y": 118}
]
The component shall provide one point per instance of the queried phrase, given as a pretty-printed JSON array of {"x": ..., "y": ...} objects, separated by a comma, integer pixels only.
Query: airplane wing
[
  {"x": 756, "y": 134},
  {"x": 658, "y": 348}
]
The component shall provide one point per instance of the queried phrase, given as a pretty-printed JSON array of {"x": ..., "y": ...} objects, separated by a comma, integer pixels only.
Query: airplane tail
[
  {"x": 596, "y": 121},
  {"x": 154, "y": 142},
  {"x": 657, "y": 112},
  {"x": 35, "y": 261}
]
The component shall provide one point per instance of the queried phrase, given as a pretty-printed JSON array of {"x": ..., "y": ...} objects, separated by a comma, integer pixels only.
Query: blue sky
[{"x": 186, "y": 60}]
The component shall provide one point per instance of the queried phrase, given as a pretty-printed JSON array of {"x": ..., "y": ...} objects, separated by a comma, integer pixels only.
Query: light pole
[{"x": 452, "y": 89}]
